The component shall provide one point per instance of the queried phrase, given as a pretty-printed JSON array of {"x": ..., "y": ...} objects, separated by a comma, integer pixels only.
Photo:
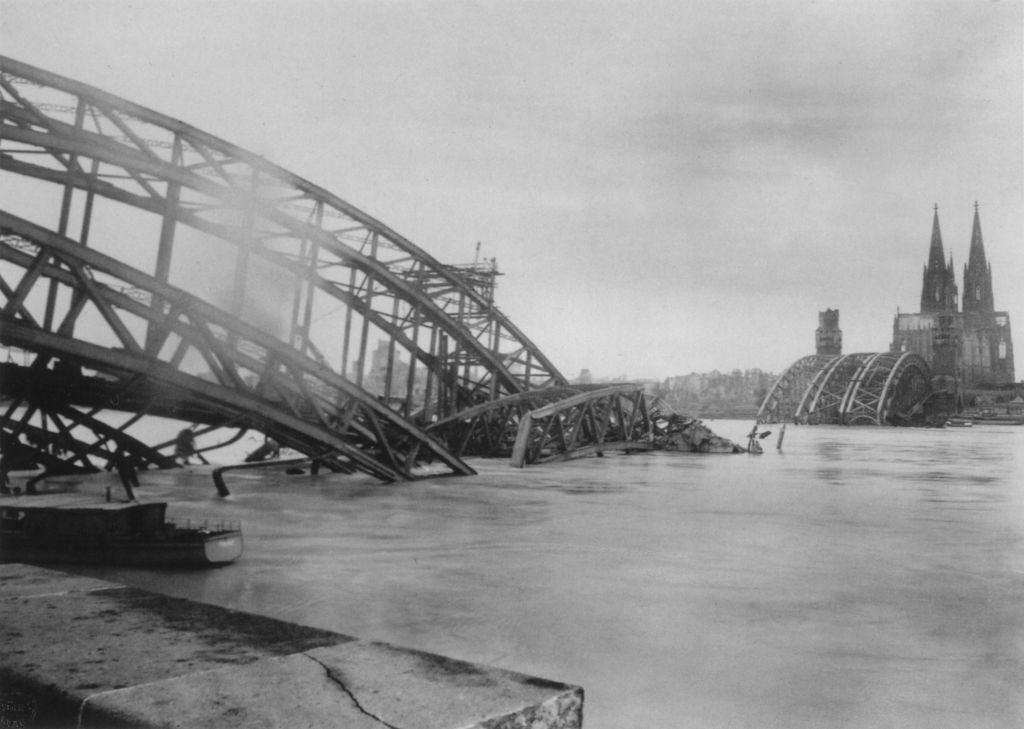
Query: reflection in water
[
  {"x": 831, "y": 449},
  {"x": 862, "y": 577}
]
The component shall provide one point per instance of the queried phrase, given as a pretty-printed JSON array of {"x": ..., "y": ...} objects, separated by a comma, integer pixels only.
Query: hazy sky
[{"x": 667, "y": 186}]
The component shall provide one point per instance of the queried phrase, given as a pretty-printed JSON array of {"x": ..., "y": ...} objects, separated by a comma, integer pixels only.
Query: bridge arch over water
[
  {"x": 150, "y": 268},
  {"x": 868, "y": 388},
  {"x": 174, "y": 273}
]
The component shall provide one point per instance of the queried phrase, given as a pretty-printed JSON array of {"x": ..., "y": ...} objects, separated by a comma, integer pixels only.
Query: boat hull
[
  {"x": 203, "y": 551},
  {"x": 55, "y": 530}
]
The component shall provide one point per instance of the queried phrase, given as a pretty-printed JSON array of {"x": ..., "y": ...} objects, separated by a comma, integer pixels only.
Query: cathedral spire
[
  {"x": 936, "y": 259},
  {"x": 976, "y": 258},
  {"x": 938, "y": 287},
  {"x": 977, "y": 273}
]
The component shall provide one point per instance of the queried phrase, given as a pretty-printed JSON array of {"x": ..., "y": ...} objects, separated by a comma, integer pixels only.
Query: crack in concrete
[
  {"x": 348, "y": 692},
  {"x": 81, "y": 712}
]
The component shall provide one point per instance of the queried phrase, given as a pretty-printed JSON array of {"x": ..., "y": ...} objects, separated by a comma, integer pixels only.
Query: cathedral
[{"x": 967, "y": 340}]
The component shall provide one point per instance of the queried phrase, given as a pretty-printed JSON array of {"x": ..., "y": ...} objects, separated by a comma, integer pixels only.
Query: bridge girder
[
  {"x": 257, "y": 381},
  {"x": 589, "y": 423},
  {"x": 490, "y": 429},
  {"x": 108, "y": 147},
  {"x": 322, "y": 327},
  {"x": 824, "y": 397},
  {"x": 906, "y": 387},
  {"x": 318, "y": 276},
  {"x": 787, "y": 392},
  {"x": 854, "y": 389}
]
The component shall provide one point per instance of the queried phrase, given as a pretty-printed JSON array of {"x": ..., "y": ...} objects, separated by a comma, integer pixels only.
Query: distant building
[
  {"x": 585, "y": 378},
  {"x": 375, "y": 379},
  {"x": 828, "y": 338},
  {"x": 971, "y": 343},
  {"x": 735, "y": 394}
]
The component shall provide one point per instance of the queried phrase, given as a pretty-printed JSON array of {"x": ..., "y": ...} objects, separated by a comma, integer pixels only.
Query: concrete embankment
[{"x": 76, "y": 651}]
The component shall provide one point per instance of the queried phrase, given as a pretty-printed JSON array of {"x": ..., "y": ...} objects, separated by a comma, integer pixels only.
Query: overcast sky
[{"x": 667, "y": 186}]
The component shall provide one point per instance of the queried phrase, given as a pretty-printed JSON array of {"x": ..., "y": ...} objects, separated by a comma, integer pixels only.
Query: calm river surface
[{"x": 861, "y": 577}]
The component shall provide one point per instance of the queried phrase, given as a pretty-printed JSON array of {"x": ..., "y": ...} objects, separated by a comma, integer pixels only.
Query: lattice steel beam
[
  {"x": 785, "y": 394},
  {"x": 439, "y": 316},
  {"x": 490, "y": 429},
  {"x": 872, "y": 388},
  {"x": 259, "y": 381},
  {"x": 590, "y": 423}
]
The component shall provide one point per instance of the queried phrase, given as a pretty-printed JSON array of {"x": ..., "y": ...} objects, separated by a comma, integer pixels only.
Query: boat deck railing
[{"x": 207, "y": 525}]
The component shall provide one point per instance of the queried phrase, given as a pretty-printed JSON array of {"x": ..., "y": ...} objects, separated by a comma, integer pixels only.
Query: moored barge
[{"x": 47, "y": 529}]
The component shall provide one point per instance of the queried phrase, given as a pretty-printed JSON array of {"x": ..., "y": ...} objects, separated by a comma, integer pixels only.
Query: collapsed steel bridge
[
  {"x": 879, "y": 388},
  {"x": 150, "y": 268}
]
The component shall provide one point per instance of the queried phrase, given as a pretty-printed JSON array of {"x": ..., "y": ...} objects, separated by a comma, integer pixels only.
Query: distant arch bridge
[
  {"x": 875, "y": 388},
  {"x": 150, "y": 268}
]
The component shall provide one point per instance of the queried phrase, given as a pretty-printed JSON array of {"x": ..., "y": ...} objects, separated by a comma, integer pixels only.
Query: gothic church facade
[{"x": 968, "y": 340}]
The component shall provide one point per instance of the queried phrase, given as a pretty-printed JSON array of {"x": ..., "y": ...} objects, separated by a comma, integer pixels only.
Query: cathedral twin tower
[{"x": 971, "y": 343}]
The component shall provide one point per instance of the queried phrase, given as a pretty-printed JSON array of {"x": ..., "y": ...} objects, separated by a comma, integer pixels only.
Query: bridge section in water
[
  {"x": 871, "y": 388},
  {"x": 148, "y": 267}
]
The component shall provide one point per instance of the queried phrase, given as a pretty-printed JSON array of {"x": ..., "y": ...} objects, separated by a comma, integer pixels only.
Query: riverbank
[{"x": 84, "y": 652}]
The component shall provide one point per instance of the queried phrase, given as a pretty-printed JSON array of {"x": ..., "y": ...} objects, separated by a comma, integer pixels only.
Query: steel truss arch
[
  {"x": 785, "y": 395},
  {"x": 590, "y": 423},
  {"x": 490, "y": 429},
  {"x": 872, "y": 388},
  {"x": 67, "y": 440},
  {"x": 256, "y": 380},
  {"x": 827, "y": 393},
  {"x": 323, "y": 327},
  {"x": 441, "y": 317},
  {"x": 887, "y": 388},
  {"x": 860, "y": 401},
  {"x": 907, "y": 389}
]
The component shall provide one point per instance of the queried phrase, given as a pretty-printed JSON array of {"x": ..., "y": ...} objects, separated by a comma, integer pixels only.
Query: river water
[{"x": 859, "y": 577}]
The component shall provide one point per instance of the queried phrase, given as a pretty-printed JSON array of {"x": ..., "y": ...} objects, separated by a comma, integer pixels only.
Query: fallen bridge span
[{"x": 148, "y": 267}]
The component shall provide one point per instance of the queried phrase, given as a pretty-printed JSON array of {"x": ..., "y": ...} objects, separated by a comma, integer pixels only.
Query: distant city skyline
[{"x": 667, "y": 187}]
